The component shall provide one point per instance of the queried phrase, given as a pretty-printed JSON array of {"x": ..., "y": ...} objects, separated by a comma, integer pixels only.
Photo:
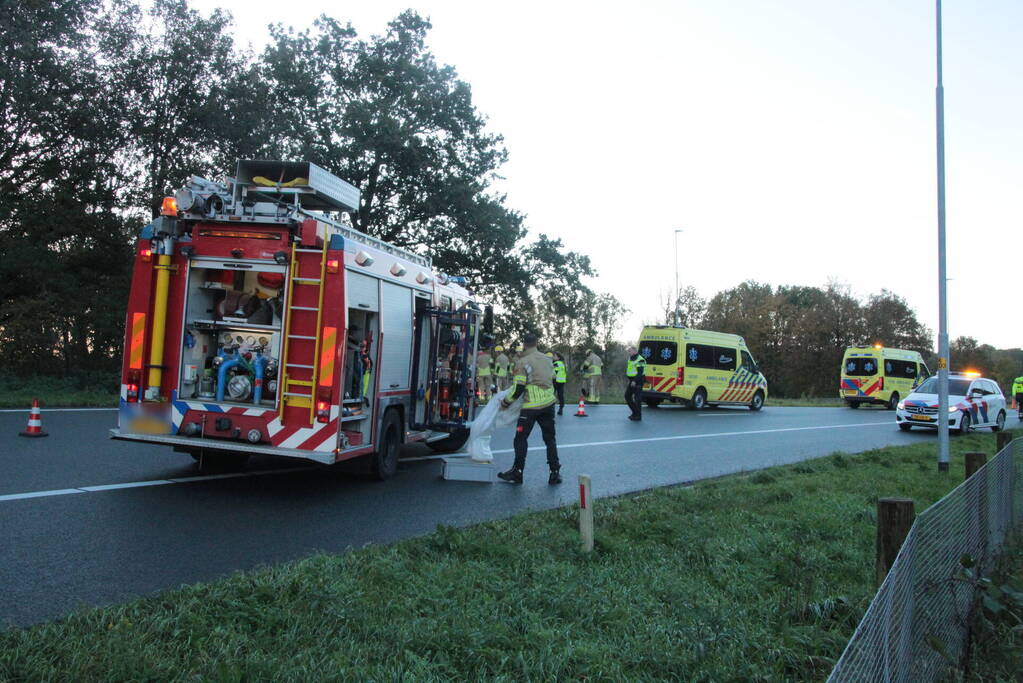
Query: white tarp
[{"x": 489, "y": 418}]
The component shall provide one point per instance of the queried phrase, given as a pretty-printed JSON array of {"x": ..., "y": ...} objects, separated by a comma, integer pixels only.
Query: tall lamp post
[
  {"x": 674, "y": 295},
  {"x": 943, "y": 350}
]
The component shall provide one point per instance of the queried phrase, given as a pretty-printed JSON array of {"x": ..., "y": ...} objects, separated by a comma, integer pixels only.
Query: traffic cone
[
  {"x": 35, "y": 422},
  {"x": 582, "y": 408}
]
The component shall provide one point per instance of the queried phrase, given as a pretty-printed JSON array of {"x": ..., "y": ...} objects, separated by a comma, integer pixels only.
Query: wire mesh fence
[{"x": 917, "y": 626}]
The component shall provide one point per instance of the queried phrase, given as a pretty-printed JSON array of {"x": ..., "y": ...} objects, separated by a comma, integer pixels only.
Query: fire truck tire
[
  {"x": 385, "y": 460},
  {"x": 451, "y": 443}
]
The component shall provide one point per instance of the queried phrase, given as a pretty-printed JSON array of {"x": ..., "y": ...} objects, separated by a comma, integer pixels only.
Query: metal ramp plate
[{"x": 464, "y": 468}]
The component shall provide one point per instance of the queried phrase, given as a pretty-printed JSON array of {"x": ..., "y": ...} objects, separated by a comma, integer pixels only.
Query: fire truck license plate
[{"x": 149, "y": 425}]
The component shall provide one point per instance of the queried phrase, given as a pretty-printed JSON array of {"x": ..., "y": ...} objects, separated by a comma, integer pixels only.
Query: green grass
[
  {"x": 754, "y": 577},
  {"x": 806, "y": 402},
  {"x": 85, "y": 390},
  {"x": 996, "y": 652}
]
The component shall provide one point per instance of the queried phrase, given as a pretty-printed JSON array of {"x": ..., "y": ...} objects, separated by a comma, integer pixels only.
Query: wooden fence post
[
  {"x": 1002, "y": 439},
  {"x": 894, "y": 519},
  {"x": 974, "y": 461},
  {"x": 586, "y": 512}
]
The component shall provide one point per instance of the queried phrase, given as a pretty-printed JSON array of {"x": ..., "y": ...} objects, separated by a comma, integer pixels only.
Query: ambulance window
[
  {"x": 724, "y": 358},
  {"x": 924, "y": 372},
  {"x": 899, "y": 369},
  {"x": 699, "y": 356},
  {"x": 747, "y": 362},
  {"x": 659, "y": 352},
  {"x": 860, "y": 367}
]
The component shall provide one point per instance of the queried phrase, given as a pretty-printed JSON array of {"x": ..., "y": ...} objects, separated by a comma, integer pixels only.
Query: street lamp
[
  {"x": 674, "y": 295},
  {"x": 942, "y": 283}
]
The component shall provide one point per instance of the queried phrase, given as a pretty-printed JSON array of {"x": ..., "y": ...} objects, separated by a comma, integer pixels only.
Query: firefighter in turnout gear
[
  {"x": 592, "y": 369},
  {"x": 484, "y": 377},
  {"x": 635, "y": 376},
  {"x": 534, "y": 377},
  {"x": 1017, "y": 395},
  {"x": 560, "y": 377},
  {"x": 501, "y": 368}
]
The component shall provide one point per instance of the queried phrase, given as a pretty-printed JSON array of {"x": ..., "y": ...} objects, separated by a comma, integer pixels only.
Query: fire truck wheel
[
  {"x": 385, "y": 460},
  {"x": 451, "y": 443}
]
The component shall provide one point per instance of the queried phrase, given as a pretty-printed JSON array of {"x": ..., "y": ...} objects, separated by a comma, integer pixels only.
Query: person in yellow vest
[
  {"x": 560, "y": 377},
  {"x": 533, "y": 377},
  {"x": 635, "y": 376},
  {"x": 501, "y": 368},
  {"x": 593, "y": 370},
  {"x": 1017, "y": 395},
  {"x": 484, "y": 377}
]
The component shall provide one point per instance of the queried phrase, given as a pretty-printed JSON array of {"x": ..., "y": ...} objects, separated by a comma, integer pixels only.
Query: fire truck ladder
[{"x": 299, "y": 398}]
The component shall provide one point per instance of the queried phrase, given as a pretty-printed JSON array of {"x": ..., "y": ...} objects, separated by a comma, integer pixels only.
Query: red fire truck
[{"x": 260, "y": 322}]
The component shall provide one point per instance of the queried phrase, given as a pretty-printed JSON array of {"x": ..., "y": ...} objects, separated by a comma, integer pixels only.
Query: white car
[{"x": 973, "y": 401}]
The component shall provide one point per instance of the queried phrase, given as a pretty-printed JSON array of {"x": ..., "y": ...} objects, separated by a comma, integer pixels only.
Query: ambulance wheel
[
  {"x": 385, "y": 460},
  {"x": 757, "y": 402},
  {"x": 854, "y": 404},
  {"x": 965, "y": 425},
  {"x": 451, "y": 443},
  {"x": 893, "y": 401},
  {"x": 999, "y": 424},
  {"x": 699, "y": 400},
  {"x": 653, "y": 402}
]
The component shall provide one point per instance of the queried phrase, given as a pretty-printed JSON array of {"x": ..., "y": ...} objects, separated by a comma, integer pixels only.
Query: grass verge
[
  {"x": 98, "y": 390},
  {"x": 754, "y": 577},
  {"x": 996, "y": 650},
  {"x": 806, "y": 402}
]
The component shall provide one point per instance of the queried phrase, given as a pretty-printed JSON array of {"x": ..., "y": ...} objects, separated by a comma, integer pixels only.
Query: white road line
[
  {"x": 151, "y": 482},
  {"x": 669, "y": 438},
  {"x": 238, "y": 475},
  {"x": 54, "y": 410},
  {"x": 718, "y": 414}
]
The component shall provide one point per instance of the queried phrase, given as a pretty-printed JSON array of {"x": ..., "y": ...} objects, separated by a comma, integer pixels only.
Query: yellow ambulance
[
  {"x": 879, "y": 375},
  {"x": 697, "y": 368}
]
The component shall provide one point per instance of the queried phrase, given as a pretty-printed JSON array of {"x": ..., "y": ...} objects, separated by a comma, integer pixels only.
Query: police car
[{"x": 973, "y": 401}]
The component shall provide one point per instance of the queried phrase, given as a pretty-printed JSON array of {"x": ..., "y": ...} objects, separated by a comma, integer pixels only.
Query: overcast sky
[{"x": 792, "y": 140}]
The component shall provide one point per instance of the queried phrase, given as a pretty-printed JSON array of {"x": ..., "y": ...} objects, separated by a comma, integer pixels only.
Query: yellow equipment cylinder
[{"x": 159, "y": 326}]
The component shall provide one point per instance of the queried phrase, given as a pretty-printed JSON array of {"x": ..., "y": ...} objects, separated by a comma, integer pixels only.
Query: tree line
[
  {"x": 798, "y": 334},
  {"x": 108, "y": 106}
]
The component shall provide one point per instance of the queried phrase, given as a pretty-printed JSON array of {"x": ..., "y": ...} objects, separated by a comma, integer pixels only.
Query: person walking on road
[
  {"x": 635, "y": 376},
  {"x": 560, "y": 377},
  {"x": 484, "y": 378},
  {"x": 592, "y": 368},
  {"x": 1017, "y": 395},
  {"x": 534, "y": 377},
  {"x": 501, "y": 368}
]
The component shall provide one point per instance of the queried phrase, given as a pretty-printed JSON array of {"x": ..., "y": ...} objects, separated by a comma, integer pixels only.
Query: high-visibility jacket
[
  {"x": 636, "y": 366},
  {"x": 483, "y": 362},
  {"x": 501, "y": 365},
  {"x": 593, "y": 364},
  {"x": 560, "y": 372},
  {"x": 1017, "y": 385},
  {"x": 535, "y": 373}
]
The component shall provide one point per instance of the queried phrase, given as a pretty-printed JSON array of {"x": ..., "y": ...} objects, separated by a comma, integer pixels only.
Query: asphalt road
[{"x": 85, "y": 520}]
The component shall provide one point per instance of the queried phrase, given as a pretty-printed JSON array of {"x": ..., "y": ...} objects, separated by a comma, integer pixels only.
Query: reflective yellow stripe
[
  {"x": 138, "y": 336},
  {"x": 327, "y": 354},
  {"x": 520, "y": 379},
  {"x": 538, "y": 397}
]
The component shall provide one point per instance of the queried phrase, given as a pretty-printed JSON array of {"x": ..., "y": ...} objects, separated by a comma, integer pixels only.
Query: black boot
[
  {"x": 555, "y": 477},
  {"x": 512, "y": 476}
]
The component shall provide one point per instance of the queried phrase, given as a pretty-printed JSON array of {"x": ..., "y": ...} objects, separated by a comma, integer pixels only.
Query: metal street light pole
[
  {"x": 674, "y": 296},
  {"x": 943, "y": 351}
]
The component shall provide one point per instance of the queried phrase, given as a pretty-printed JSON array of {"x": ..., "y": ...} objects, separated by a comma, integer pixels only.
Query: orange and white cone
[
  {"x": 35, "y": 422},
  {"x": 582, "y": 408}
]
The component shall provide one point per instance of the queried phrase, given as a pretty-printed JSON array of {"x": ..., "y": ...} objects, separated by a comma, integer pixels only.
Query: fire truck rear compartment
[{"x": 230, "y": 352}]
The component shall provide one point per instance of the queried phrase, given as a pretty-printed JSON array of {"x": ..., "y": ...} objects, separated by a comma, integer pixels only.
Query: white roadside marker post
[{"x": 586, "y": 513}]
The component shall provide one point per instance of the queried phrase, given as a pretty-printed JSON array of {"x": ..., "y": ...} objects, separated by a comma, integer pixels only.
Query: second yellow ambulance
[{"x": 879, "y": 375}]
